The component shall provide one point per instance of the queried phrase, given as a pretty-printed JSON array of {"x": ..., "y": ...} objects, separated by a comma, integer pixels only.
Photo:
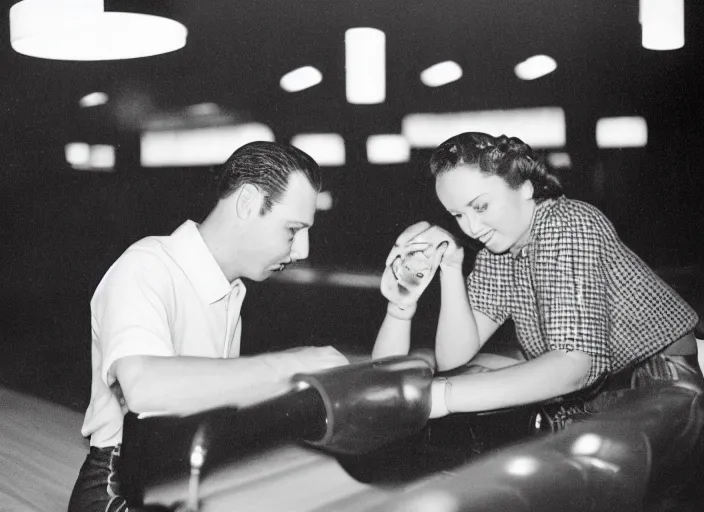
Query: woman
[{"x": 583, "y": 304}]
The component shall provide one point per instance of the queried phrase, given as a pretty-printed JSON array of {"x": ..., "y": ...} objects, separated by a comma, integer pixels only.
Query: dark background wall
[{"x": 61, "y": 228}]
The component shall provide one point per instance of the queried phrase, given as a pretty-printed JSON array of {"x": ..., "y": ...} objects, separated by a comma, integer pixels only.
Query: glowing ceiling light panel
[
  {"x": 82, "y": 30},
  {"x": 328, "y": 149},
  {"x": 441, "y": 73},
  {"x": 365, "y": 65},
  {"x": 662, "y": 24},
  {"x": 541, "y": 127},
  {"x": 621, "y": 132},
  {"x": 388, "y": 149},
  {"x": 200, "y": 146},
  {"x": 85, "y": 157},
  {"x": 102, "y": 157},
  {"x": 300, "y": 79},
  {"x": 535, "y": 67},
  {"x": 559, "y": 160},
  {"x": 78, "y": 154},
  {"x": 93, "y": 99}
]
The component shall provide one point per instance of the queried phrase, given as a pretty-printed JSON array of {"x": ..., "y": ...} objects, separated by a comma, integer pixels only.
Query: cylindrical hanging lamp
[
  {"x": 662, "y": 22},
  {"x": 82, "y": 30}
]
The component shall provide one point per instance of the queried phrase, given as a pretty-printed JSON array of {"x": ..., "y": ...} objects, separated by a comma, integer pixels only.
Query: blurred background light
[
  {"x": 354, "y": 280},
  {"x": 541, "y": 127},
  {"x": 297, "y": 274},
  {"x": 441, "y": 73},
  {"x": 522, "y": 466},
  {"x": 365, "y": 65},
  {"x": 77, "y": 154},
  {"x": 328, "y": 149},
  {"x": 535, "y": 67},
  {"x": 587, "y": 444},
  {"x": 199, "y": 146},
  {"x": 93, "y": 99},
  {"x": 82, "y": 30},
  {"x": 324, "y": 201},
  {"x": 86, "y": 157},
  {"x": 621, "y": 132},
  {"x": 559, "y": 160},
  {"x": 203, "y": 109},
  {"x": 102, "y": 157},
  {"x": 300, "y": 79},
  {"x": 662, "y": 24},
  {"x": 388, "y": 149}
]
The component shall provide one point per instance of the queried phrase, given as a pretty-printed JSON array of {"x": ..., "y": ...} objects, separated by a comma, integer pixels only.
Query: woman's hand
[
  {"x": 434, "y": 236},
  {"x": 453, "y": 255},
  {"x": 410, "y": 266}
]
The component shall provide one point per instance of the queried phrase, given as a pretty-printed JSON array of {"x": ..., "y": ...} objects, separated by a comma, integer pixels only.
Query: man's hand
[{"x": 411, "y": 265}]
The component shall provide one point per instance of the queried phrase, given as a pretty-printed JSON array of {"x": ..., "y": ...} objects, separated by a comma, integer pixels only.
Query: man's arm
[
  {"x": 484, "y": 362},
  {"x": 184, "y": 385}
]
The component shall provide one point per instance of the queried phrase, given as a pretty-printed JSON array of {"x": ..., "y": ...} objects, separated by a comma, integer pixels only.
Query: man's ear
[{"x": 248, "y": 201}]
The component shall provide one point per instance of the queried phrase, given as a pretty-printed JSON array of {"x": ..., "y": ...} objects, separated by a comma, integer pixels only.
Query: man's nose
[{"x": 300, "y": 246}]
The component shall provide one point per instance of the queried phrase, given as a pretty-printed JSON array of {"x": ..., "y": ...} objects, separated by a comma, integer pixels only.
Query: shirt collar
[
  {"x": 538, "y": 214},
  {"x": 188, "y": 249}
]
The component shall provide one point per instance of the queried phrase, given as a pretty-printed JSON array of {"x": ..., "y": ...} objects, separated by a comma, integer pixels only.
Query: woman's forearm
[
  {"x": 394, "y": 337},
  {"x": 457, "y": 338}
]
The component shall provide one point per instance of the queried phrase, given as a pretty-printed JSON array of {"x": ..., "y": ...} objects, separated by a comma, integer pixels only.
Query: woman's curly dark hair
[{"x": 507, "y": 157}]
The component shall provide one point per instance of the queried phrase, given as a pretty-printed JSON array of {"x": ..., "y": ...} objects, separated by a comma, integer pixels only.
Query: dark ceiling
[{"x": 237, "y": 51}]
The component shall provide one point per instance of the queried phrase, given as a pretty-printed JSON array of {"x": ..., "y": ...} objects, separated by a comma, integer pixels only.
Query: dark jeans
[{"x": 97, "y": 488}]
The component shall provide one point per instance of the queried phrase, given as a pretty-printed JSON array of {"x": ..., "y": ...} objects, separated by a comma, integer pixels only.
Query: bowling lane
[{"x": 41, "y": 450}]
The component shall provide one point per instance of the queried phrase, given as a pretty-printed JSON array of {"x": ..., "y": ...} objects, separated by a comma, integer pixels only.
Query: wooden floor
[{"x": 41, "y": 450}]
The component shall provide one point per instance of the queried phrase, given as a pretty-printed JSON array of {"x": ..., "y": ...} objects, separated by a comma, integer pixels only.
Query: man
[{"x": 166, "y": 316}]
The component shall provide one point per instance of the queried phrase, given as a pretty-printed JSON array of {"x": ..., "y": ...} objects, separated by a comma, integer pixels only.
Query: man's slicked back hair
[{"x": 268, "y": 166}]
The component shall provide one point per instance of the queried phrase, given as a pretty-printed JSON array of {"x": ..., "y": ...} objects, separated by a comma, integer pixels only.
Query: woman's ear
[
  {"x": 527, "y": 190},
  {"x": 248, "y": 201}
]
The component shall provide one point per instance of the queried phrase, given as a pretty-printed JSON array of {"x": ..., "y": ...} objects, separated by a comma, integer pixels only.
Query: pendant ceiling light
[
  {"x": 662, "y": 22},
  {"x": 82, "y": 30}
]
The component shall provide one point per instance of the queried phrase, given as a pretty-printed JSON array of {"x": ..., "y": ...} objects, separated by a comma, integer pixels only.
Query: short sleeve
[
  {"x": 571, "y": 286},
  {"x": 487, "y": 286},
  {"x": 130, "y": 310}
]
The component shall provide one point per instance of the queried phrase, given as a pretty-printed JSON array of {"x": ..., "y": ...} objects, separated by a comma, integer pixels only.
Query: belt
[{"x": 685, "y": 346}]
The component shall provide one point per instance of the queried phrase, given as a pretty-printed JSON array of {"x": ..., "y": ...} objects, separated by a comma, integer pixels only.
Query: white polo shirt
[{"x": 165, "y": 296}]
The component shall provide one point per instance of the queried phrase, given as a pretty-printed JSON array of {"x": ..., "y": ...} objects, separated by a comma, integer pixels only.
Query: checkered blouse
[{"x": 576, "y": 286}]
